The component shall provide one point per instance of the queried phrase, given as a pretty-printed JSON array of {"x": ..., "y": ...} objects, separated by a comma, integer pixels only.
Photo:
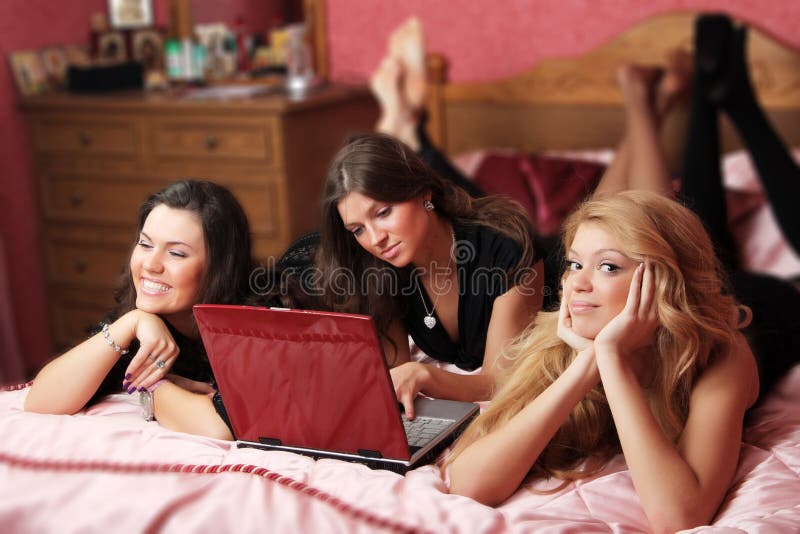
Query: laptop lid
[{"x": 297, "y": 378}]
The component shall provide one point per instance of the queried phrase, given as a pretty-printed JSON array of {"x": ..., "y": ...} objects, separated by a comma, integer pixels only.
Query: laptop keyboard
[{"x": 423, "y": 429}]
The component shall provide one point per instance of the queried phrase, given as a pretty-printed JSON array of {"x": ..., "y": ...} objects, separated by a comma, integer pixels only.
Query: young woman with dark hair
[
  {"x": 460, "y": 275},
  {"x": 192, "y": 245}
]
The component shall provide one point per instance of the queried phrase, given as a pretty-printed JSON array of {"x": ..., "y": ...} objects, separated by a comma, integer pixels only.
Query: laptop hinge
[
  {"x": 270, "y": 441},
  {"x": 367, "y": 453}
]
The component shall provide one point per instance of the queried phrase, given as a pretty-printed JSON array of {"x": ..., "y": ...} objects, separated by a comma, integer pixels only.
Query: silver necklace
[{"x": 429, "y": 319}]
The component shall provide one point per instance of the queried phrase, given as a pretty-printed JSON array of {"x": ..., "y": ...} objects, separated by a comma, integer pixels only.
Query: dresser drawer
[
  {"x": 264, "y": 205},
  {"x": 94, "y": 200},
  {"x": 75, "y": 313},
  {"x": 97, "y": 266},
  {"x": 236, "y": 139},
  {"x": 86, "y": 136}
]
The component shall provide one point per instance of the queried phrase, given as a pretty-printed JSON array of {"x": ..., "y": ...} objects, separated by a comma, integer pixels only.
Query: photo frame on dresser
[
  {"x": 112, "y": 48},
  {"x": 130, "y": 14},
  {"x": 147, "y": 47},
  {"x": 56, "y": 63},
  {"x": 29, "y": 72}
]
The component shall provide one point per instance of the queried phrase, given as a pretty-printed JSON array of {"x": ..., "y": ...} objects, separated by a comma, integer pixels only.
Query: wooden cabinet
[{"x": 97, "y": 157}]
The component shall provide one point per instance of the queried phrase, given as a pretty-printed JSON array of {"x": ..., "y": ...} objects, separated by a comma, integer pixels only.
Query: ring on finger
[
  {"x": 160, "y": 364},
  {"x": 151, "y": 357}
]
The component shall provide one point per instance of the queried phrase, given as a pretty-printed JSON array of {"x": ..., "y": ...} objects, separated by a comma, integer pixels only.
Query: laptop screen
[{"x": 303, "y": 378}]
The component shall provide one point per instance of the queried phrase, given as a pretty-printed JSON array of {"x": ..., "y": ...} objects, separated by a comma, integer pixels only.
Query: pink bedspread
[{"x": 107, "y": 469}]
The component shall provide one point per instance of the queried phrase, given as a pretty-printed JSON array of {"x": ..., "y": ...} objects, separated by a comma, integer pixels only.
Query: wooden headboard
[{"x": 574, "y": 103}]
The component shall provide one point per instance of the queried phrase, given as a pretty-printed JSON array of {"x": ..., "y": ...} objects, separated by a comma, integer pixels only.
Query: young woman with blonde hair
[{"x": 644, "y": 357}]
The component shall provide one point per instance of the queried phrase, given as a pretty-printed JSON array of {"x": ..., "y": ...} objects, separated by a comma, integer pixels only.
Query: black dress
[{"x": 486, "y": 262}]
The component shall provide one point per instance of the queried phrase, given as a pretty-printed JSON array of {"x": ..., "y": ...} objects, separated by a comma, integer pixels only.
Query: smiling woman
[{"x": 192, "y": 246}]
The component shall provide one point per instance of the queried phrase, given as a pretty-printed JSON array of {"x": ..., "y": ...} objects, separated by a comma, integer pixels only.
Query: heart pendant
[{"x": 430, "y": 321}]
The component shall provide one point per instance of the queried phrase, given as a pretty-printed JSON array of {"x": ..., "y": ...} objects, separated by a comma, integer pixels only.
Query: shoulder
[
  {"x": 483, "y": 244},
  {"x": 732, "y": 375}
]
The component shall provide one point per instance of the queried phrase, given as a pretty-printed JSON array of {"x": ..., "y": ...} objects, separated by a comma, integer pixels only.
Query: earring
[{"x": 428, "y": 205}]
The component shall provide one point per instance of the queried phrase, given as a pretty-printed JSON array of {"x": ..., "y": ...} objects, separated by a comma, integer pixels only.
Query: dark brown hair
[
  {"x": 384, "y": 169},
  {"x": 227, "y": 238}
]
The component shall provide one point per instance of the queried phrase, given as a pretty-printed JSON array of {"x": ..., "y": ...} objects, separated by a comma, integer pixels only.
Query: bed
[{"x": 106, "y": 468}]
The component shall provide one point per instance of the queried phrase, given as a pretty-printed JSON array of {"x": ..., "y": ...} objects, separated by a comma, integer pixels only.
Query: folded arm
[
  {"x": 682, "y": 486},
  {"x": 68, "y": 382},
  {"x": 493, "y": 467}
]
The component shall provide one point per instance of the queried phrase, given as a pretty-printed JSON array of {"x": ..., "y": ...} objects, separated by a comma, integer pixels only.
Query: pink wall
[
  {"x": 31, "y": 24},
  {"x": 28, "y": 24},
  {"x": 484, "y": 42}
]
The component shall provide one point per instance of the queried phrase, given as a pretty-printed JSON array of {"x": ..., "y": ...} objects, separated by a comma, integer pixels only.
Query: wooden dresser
[{"x": 97, "y": 157}]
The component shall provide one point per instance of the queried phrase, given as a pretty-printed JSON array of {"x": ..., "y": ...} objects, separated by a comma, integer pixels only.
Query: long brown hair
[
  {"x": 227, "y": 239},
  {"x": 697, "y": 321},
  {"x": 384, "y": 169}
]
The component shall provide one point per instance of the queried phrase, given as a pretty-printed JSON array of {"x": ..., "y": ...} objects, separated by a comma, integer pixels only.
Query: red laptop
[{"x": 316, "y": 383}]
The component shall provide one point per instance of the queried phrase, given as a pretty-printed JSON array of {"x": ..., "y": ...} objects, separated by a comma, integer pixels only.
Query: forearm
[
  {"x": 183, "y": 411},
  {"x": 66, "y": 384},
  {"x": 668, "y": 488},
  {"x": 493, "y": 467},
  {"x": 441, "y": 384}
]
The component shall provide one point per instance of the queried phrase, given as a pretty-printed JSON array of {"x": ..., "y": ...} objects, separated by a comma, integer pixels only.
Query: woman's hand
[
  {"x": 565, "y": 331},
  {"x": 634, "y": 327},
  {"x": 409, "y": 379},
  {"x": 156, "y": 355}
]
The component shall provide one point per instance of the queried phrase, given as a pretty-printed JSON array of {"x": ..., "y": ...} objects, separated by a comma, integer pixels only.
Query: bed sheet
[{"x": 106, "y": 468}]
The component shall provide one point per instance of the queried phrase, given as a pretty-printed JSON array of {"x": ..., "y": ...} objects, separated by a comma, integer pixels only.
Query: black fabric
[
  {"x": 216, "y": 400},
  {"x": 300, "y": 254},
  {"x": 721, "y": 83},
  {"x": 774, "y": 333},
  {"x": 440, "y": 164},
  {"x": 484, "y": 259},
  {"x": 191, "y": 363}
]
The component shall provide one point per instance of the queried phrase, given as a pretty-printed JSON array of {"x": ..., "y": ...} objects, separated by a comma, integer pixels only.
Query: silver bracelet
[{"x": 114, "y": 346}]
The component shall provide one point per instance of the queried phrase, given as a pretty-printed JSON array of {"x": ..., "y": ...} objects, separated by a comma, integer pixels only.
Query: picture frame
[
  {"x": 147, "y": 47},
  {"x": 78, "y": 56},
  {"x": 56, "y": 63},
  {"x": 130, "y": 14},
  {"x": 112, "y": 48},
  {"x": 29, "y": 72}
]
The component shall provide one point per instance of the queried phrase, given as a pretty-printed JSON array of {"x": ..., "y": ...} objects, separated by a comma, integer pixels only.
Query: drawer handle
[
  {"x": 76, "y": 199},
  {"x": 212, "y": 142},
  {"x": 85, "y": 138},
  {"x": 80, "y": 265}
]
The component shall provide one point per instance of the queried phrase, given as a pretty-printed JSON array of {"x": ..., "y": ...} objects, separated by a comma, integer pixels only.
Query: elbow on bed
[
  {"x": 34, "y": 404},
  {"x": 476, "y": 491},
  {"x": 669, "y": 521}
]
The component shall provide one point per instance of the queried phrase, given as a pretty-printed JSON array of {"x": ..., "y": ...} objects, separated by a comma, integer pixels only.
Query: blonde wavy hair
[{"x": 697, "y": 322}]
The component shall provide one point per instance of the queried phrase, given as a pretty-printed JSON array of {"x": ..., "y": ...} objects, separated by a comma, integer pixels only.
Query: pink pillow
[{"x": 548, "y": 187}]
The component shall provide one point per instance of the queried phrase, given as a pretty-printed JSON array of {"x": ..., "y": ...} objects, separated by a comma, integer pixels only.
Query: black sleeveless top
[{"x": 485, "y": 261}]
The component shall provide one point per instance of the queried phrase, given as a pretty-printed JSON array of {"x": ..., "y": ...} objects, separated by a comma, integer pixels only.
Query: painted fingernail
[
  {"x": 131, "y": 389},
  {"x": 125, "y": 384},
  {"x": 128, "y": 376},
  {"x": 141, "y": 388}
]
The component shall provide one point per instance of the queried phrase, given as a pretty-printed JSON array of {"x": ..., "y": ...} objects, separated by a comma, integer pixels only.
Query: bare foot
[
  {"x": 396, "y": 117},
  {"x": 407, "y": 43},
  {"x": 674, "y": 84},
  {"x": 637, "y": 83}
]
